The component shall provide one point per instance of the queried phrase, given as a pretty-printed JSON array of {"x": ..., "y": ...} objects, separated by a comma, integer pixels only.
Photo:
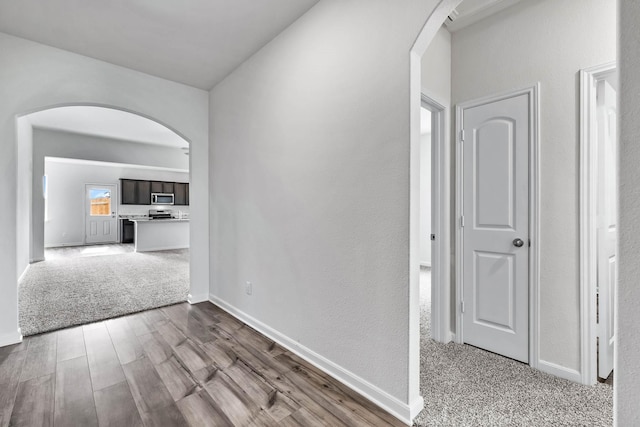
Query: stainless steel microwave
[{"x": 162, "y": 198}]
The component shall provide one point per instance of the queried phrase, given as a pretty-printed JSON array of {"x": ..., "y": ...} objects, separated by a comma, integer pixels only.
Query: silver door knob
[{"x": 518, "y": 242}]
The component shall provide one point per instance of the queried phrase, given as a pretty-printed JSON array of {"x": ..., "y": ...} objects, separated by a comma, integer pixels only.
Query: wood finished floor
[{"x": 175, "y": 366}]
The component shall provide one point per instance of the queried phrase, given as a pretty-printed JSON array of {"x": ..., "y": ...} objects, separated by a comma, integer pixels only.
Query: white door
[
  {"x": 100, "y": 214},
  {"x": 606, "y": 223},
  {"x": 495, "y": 225}
]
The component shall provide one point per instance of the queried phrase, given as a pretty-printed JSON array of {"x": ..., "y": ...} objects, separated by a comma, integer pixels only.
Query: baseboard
[
  {"x": 560, "y": 371},
  {"x": 425, "y": 264},
  {"x": 11, "y": 338},
  {"x": 415, "y": 408},
  {"x": 392, "y": 405},
  {"x": 34, "y": 260},
  {"x": 191, "y": 299},
  {"x": 24, "y": 273},
  {"x": 163, "y": 248},
  {"x": 63, "y": 245}
]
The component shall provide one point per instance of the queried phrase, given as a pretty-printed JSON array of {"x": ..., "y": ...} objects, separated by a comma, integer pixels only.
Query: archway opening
[{"x": 85, "y": 175}]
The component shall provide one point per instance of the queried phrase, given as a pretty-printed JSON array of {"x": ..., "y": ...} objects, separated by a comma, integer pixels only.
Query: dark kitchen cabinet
[
  {"x": 167, "y": 187},
  {"x": 129, "y": 192},
  {"x": 135, "y": 192},
  {"x": 127, "y": 229},
  {"x": 180, "y": 193},
  {"x": 144, "y": 193},
  {"x": 138, "y": 192}
]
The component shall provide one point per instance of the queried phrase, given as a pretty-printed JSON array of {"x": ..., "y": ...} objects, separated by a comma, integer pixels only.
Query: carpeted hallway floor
[
  {"x": 73, "y": 287},
  {"x": 466, "y": 386}
]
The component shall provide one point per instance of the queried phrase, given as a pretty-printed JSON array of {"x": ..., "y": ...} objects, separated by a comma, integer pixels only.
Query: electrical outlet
[{"x": 248, "y": 288}]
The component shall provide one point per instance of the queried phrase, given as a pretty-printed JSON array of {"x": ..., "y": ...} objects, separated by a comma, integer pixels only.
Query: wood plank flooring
[{"x": 182, "y": 365}]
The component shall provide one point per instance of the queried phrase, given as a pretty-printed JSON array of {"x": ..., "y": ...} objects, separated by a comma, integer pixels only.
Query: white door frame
[
  {"x": 534, "y": 217},
  {"x": 589, "y": 78},
  {"x": 440, "y": 288},
  {"x": 114, "y": 209}
]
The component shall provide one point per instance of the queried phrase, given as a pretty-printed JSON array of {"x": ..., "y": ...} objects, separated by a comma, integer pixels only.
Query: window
[{"x": 100, "y": 200}]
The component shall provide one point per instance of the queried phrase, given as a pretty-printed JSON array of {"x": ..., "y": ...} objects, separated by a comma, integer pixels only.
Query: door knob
[{"x": 518, "y": 242}]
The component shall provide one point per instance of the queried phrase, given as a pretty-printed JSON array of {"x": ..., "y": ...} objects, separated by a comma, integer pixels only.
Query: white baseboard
[
  {"x": 11, "y": 338},
  {"x": 62, "y": 245},
  {"x": 24, "y": 273},
  {"x": 34, "y": 260},
  {"x": 416, "y": 407},
  {"x": 425, "y": 264},
  {"x": 394, "y": 406},
  {"x": 195, "y": 299},
  {"x": 448, "y": 337},
  {"x": 560, "y": 371},
  {"x": 163, "y": 248}
]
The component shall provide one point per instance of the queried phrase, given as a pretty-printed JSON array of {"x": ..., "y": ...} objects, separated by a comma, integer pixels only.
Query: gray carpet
[
  {"x": 466, "y": 386},
  {"x": 62, "y": 292}
]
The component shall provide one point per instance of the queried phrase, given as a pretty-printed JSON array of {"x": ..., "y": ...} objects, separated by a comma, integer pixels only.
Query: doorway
[
  {"x": 433, "y": 238},
  {"x": 101, "y": 211},
  {"x": 496, "y": 253},
  {"x": 598, "y": 215},
  {"x": 79, "y": 158}
]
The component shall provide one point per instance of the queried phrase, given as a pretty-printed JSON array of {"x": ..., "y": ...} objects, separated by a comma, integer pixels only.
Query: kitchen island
[{"x": 160, "y": 234}]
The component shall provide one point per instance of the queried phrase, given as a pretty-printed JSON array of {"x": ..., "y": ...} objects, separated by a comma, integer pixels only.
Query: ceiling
[
  {"x": 108, "y": 123},
  {"x": 472, "y": 11},
  {"x": 195, "y": 42},
  {"x": 110, "y": 164}
]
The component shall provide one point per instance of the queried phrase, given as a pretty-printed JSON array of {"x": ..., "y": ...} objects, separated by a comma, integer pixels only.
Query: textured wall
[
  {"x": 436, "y": 68},
  {"x": 627, "y": 365},
  {"x": 310, "y": 177},
  {"x": 34, "y": 76},
  {"x": 547, "y": 41}
]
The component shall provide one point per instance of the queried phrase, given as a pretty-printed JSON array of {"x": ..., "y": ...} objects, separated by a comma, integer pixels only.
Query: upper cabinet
[
  {"x": 167, "y": 187},
  {"x": 180, "y": 193},
  {"x": 129, "y": 190},
  {"x": 138, "y": 192}
]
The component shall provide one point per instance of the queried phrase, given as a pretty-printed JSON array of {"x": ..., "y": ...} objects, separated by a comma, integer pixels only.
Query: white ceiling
[
  {"x": 195, "y": 42},
  {"x": 108, "y": 123},
  {"x": 472, "y": 11},
  {"x": 111, "y": 164}
]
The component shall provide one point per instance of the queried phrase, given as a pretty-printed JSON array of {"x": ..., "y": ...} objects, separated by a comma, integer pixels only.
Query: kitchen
[
  {"x": 90, "y": 202},
  {"x": 166, "y": 225}
]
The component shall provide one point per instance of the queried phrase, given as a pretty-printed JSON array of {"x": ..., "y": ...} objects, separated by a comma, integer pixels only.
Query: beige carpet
[
  {"x": 66, "y": 291},
  {"x": 466, "y": 386}
]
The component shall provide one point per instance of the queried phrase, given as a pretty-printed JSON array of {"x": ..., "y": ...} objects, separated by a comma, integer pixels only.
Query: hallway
[{"x": 466, "y": 386}]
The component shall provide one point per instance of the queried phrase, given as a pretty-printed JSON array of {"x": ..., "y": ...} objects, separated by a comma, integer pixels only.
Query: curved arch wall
[{"x": 35, "y": 77}]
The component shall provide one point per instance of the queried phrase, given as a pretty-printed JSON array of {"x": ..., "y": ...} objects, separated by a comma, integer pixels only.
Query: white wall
[
  {"x": 547, "y": 41},
  {"x": 627, "y": 364},
  {"x": 66, "y": 195},
  {"x": 310, "y": 201},
  {"x": 50, "y": 143},
  {"x": 436, "y": 68},
  {"x": 35, "y": 76},
  {"x": 24, "y": 157},
  {"x": 436, "y": 84},
  {"x": 425, "y": 198}
]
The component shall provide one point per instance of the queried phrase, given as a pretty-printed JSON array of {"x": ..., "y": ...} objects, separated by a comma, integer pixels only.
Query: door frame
[
  {"x": 533, "y": 92},
  {"x": 84, "y": 217},
  {"x": 589, "y": 78},
  {"x": 440, "y": 291}
]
